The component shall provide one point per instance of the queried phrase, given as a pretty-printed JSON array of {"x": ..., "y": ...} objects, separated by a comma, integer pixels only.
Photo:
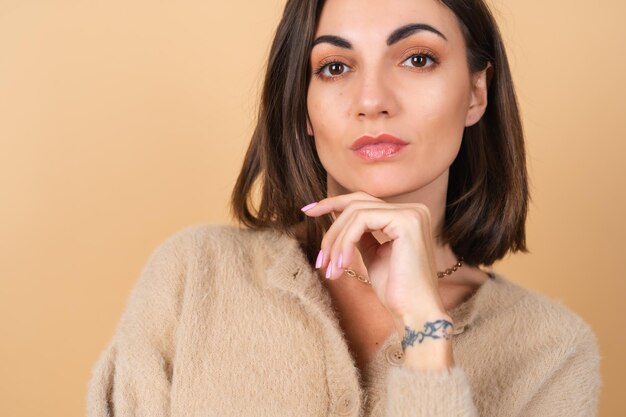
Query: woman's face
[{"x": 396, "y": 68}]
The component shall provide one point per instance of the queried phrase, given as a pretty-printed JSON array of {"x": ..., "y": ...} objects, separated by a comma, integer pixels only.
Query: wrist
[
  {"x": 429, "y": 315},
  {"x": 427, "y": 329},
  {"x": 427, "y": 341}
]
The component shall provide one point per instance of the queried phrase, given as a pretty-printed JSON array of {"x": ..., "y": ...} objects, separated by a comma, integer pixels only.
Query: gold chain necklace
[{"x": 440, "y": 275}]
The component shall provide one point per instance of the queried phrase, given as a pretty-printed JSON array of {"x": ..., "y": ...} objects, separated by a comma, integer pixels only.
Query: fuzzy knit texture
[{"x": 226, "y": 321}]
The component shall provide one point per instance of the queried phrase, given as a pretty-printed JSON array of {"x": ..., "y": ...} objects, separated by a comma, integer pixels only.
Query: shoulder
[
  {"x": 185, "y": 249},
  {"x": 196, "y": 249},
  {"x": 544, "y": 323},
  {"x": 191, "y": 236},
  {"x": 197, "y": 238},
  {"x": 541, "y": 349}
]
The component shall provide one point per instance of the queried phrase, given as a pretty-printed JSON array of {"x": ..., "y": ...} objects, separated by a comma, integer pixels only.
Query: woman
[{"x": 390, "y": 162}]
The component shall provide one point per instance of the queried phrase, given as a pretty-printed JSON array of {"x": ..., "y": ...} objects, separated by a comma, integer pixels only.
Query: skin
[{"x": 427, "y": 101}]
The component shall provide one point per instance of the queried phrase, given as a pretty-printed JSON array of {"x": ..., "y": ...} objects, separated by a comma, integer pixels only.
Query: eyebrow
[
  {"x": 407, "y": 30},
  {"x": 395, "y": 36}
]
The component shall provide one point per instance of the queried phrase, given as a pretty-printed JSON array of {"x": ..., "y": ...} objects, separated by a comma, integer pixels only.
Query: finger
[
  {"x": 336, "y": 203},
  {"x": 395, "y": 222},
  {"x": 406, "y": 211},
  {"x": 339, "y": 248},
  {"x": 339, "y": 223},
  {"x": 356, "y": 234}
]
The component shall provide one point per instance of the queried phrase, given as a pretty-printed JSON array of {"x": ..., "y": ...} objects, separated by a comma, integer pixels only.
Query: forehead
[{"x": 371, "y": 21}]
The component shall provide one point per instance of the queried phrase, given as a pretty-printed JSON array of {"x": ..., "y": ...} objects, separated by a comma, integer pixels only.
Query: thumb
[{"x": 368, "y": 247}]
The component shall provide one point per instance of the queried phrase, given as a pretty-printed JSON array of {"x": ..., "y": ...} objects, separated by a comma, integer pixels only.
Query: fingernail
[
  {"x": 339, "y": 262},
  {"x": 308, "y": 206},
  {"x": 329, "y": 270},
  {"x": 320, "y": 258}
]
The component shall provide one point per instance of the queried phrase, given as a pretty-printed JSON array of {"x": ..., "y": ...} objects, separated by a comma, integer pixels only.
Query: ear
[{"x": 478, "y": 95}]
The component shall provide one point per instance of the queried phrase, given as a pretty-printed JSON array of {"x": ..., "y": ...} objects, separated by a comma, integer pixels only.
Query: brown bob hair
[{"x": 487, "y": 197}]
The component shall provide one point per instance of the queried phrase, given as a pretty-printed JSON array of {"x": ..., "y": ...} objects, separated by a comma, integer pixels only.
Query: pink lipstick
[{"x": 377, "y": 148}]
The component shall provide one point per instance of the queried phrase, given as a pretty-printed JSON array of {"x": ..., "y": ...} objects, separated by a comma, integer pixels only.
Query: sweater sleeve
[
  {"x": 573, "y": 387},
  {"x": 418, "y": 393},
  {"x": 133, "y": 374}
]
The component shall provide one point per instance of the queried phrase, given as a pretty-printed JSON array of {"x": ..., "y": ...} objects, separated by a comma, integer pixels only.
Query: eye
[
  {"x": 419, "y": 60},
  {"x": 332, "y": 70}
]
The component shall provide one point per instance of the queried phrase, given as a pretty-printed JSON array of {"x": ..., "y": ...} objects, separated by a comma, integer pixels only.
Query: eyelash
[{"x": 324, "y": 64}]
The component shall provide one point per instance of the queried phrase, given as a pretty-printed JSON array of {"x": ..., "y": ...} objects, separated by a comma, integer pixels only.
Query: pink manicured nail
[
  {"x": 329, "y": 270},
  {"x": 339, "y": 262},
  {"x": 320, "y": 258},
  {"x": 309, "y": 206}
]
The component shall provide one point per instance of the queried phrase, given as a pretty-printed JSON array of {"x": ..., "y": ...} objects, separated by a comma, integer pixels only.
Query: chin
[{"x": 385, "y": 188}]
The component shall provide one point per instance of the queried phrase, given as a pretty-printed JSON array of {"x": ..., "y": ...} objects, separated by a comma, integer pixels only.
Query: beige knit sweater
[{"x": 233, "y": 322}]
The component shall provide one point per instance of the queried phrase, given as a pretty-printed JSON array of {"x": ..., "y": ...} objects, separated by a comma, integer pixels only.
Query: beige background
[{"x": 122, "y": 122}]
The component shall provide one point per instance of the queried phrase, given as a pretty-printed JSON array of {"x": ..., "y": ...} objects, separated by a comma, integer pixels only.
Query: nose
[{"x": 375, "y": 96}]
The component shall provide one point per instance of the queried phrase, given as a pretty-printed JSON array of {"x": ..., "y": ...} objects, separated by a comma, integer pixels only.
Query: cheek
[
  {"x": 444, "y": 121},
  {"x": 444, "y": 103},
  {"x": 326, "y": 116},
  {"x": 315, "y": 110},
  {"x": 439, "y": 122},
  {"x": 322, "y": 104},
  {"x": 438, "y": 112},
  {"x": 322, "y": 118}
]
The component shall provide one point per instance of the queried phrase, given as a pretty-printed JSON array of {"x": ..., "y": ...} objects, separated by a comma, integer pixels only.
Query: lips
[
  {"x": 369, "y": 140},
  {"x": 377, "y": 148}
]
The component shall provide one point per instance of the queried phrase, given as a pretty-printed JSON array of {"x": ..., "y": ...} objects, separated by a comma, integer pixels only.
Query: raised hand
[{"x": 401, "y": 268}]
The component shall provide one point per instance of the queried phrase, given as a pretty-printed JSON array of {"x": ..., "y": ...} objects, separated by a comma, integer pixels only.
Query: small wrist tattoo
[{"x": 434, "y": 329}]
